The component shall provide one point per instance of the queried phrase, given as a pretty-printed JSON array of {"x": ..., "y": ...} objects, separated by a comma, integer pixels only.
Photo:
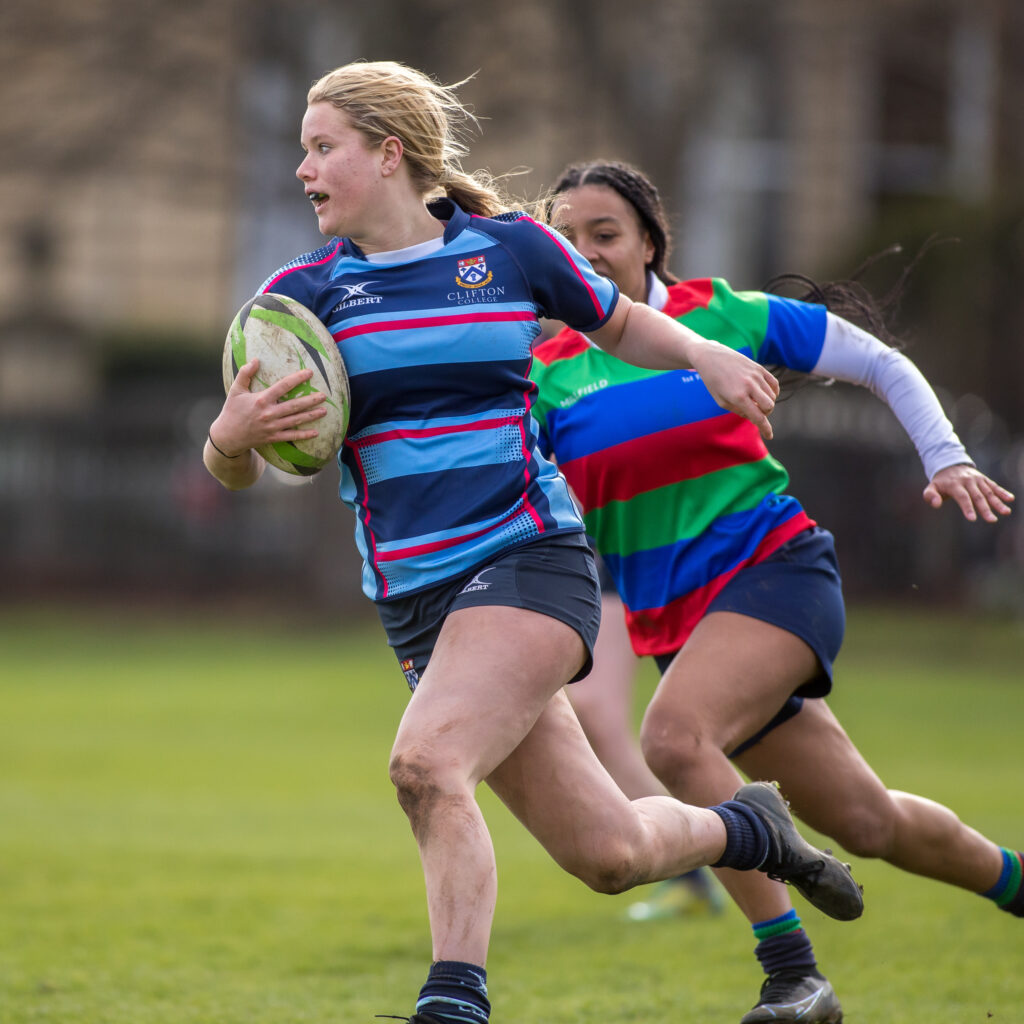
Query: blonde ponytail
[{"x": 476, "y": 193}]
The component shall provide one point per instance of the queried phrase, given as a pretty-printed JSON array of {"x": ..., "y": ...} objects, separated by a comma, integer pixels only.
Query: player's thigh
[
  {"x": 827, "y": 780},
  {"x": 604, "y": 698},
  {"x": 732, "y": 676},
  {"x": 555, "y": 785},
  {"x": 492, "y": 671}
]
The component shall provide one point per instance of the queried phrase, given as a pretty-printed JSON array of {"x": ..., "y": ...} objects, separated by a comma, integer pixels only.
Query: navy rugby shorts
[
  {"x": 604, "y": 577},
  {"x": 797, "y": 588},
  {"x": 555, "y": 576}
]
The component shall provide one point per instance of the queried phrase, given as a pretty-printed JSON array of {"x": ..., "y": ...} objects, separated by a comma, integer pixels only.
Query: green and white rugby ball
[{"x": 286, "y": 336}]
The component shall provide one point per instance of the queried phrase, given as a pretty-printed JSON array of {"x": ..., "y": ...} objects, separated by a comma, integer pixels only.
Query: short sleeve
[
  {"x": 775, "y": 331},
  {"x": 564, "y": 285},
  {"x": 795, "y": 335}
]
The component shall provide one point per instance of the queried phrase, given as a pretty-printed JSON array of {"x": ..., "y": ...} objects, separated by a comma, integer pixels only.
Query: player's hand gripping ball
[{"x": 285, "y": 336}]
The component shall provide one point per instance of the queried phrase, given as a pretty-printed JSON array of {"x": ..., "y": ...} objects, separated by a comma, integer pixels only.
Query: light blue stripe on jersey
[
  {"x": 436, "y": 422},
  {"x": 345, "y": 324},
  {"x": 450, "y": 561},
  {"x": 443, "y": 536},
  {"x": 475, "y": 445},
  {"x": 470, "y": 338}
]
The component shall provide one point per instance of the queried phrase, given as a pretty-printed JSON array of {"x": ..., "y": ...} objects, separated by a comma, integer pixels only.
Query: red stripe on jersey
[
  {"x": 663, "y": 458},
  {"x": 524, "y": 447},
  {"x": 454, "y": 428},
  {"x": 449, "y": 542},
  {"x": 684, "y": 297},
  {"x": 664, "y": 630},
  {"x": 429, "y": 321},
  {"x": 687, "y": 296}
]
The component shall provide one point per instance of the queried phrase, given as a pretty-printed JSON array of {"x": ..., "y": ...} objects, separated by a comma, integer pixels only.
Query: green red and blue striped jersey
[
  {"x": 677, "y": 493},
  {"x": 441, "y": 463}
]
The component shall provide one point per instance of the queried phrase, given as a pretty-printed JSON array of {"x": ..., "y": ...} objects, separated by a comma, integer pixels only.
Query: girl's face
[
  {"x": 341, "y": 172},
  {"x": 608, "y": 232}
]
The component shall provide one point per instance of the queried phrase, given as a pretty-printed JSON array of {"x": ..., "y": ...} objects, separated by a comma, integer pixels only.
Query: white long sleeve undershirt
[{"x": 853, "y": 355}]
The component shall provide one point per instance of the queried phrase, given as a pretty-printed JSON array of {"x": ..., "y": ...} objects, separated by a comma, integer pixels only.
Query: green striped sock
[
  {"x": 781, "y": 925},
  {"x": 1008, "y": 892},
  {"x": 782, "y": 945}
]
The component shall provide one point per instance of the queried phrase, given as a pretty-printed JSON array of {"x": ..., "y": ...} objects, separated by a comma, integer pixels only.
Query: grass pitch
[{"x": 196, "y": 826}]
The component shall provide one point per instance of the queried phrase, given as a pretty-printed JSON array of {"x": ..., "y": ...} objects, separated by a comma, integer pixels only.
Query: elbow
[
  {"x": 235, "y": 485},
  {"x": 235, "y": 478}
]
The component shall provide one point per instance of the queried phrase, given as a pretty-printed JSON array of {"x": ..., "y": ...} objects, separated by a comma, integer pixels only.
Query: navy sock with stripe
[
  {"x": 455, "y": 993},
  {"x": 1008, "y": 892},
  {"x": 783, "y": 945}
]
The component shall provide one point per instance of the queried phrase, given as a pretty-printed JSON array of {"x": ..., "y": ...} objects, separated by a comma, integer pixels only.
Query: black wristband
[{"x": 225, "y": 454}]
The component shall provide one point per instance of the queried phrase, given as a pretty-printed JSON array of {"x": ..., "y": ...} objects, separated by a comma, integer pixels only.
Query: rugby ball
[{"x": 285, "y": 336}]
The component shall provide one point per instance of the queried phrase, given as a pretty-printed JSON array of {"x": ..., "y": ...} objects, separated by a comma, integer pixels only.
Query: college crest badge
[{"x": 473, "y": 272}]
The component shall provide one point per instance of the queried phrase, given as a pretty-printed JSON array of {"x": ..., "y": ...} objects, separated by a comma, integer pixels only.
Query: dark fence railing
[{"x": 119, "y": 504}]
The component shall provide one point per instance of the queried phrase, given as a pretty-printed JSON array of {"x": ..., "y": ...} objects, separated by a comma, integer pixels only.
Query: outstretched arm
[
  {"x": 638, "y": 334},
  {"x": 852, "y": 354}
]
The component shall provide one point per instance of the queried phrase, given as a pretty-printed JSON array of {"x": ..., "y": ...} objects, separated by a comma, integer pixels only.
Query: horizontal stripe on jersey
[
  {"x": 665, "y": 629},
  {"x": 395, "y": 450},
  {"x": 695, "y": 501},
  {"x": 437, "y": 339},
  {"x": 654, "y": 576},
  {"x": 677, "y": 492},
  {"x": 644, "y": 464},
  {"x": 441, "y": 462}
]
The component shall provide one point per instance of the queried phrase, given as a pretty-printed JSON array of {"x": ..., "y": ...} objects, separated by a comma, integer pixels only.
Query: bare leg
[
  {"x": 833, "y": 789},
  {"x": 603, "y": 702},
  {"x": 558, "y": 789},
  {"x": 491, "y": 697},
  {"x": 732, "y": 676}
]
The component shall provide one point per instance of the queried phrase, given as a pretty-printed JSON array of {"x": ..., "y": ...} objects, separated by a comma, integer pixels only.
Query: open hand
[
  {"x": 737, "y": 383},
  {"x": 974, "y": 492}
]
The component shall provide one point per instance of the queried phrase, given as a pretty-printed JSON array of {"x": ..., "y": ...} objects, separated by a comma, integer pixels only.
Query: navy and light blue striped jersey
[{"x": 441, "y": 463}]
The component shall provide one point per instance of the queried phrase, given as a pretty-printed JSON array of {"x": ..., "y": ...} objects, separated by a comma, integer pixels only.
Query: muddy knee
[{"x": 416, "y": 786}]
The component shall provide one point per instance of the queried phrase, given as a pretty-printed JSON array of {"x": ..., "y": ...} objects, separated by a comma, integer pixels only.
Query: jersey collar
[
  {"x": 442, "y": 208},
  {"x": 657, "y": 293},
  {"x": 456, "y": 219}
]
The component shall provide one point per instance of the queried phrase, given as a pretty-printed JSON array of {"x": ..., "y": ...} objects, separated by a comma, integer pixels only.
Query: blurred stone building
[{"x": 146, "y": 189}]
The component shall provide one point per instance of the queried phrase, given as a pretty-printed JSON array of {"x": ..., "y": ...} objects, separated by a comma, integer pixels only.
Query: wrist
[
  {"x": 693, "y": 346},
  {"x": 220, "y": 451}
]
